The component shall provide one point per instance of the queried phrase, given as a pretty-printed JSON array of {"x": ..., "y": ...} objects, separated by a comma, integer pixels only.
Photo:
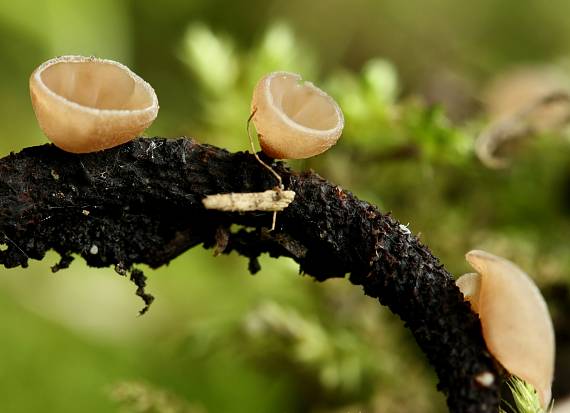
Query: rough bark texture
[{"x": 141, "y": 203}]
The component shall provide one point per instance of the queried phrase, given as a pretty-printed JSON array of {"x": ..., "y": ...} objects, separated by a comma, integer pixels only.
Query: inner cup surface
[{"x": 96, "y": 84}]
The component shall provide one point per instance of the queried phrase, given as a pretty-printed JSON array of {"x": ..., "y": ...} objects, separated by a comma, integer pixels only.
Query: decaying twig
[{"x": 142, "y": 203}]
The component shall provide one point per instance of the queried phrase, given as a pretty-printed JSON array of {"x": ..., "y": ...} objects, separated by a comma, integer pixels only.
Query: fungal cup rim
[
  {"x": 36, "y": 76},
  {"x": 324, "y": 133}
]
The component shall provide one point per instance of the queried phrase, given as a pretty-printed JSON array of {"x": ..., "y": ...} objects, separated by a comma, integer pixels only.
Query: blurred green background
[{"x": 417, "y": 81}]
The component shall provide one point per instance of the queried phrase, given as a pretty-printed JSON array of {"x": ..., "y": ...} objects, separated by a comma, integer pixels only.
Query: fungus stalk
[{"x": 147, "y": 209}]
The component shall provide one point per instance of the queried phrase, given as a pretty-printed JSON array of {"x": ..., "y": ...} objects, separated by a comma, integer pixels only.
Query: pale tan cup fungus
[
  {"x": 514, "y": 317},
  {"x": 85, "y": 104},
  {"x": 294, "y": 119}
]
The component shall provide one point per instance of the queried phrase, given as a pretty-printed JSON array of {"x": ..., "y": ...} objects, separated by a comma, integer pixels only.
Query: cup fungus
[
  {"x": 294, "y": 119},
  {"x": 516, "y": 325},
  {"x": 85, "y": 104}
]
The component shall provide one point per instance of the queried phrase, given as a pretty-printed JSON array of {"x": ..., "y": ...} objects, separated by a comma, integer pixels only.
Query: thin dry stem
[{"x": 275, "y": 174}]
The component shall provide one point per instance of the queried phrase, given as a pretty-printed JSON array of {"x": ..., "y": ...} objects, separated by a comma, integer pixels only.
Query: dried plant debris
[{"x": 271, "y": 200}]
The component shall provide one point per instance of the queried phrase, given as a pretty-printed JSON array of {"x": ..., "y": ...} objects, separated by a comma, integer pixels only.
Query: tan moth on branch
[{"x": 270, "y": 200}]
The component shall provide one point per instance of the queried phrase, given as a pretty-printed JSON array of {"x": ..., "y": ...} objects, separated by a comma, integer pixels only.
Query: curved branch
[{"x": 141, "y": 203}]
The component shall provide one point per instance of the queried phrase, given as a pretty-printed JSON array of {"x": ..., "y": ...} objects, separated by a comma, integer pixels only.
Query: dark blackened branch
[
  {"x": 140, "y": 203},
  {"x": 139, "y": 279}
]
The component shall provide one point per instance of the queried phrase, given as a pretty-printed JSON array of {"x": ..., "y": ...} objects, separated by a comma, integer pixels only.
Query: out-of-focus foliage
[
  {"x": 139, "y": 397},
  {"x": 374, "y": 119},
  {"x": 225, "y": 79},
  {"x": 412, "y": 82},
  {"x": 336, "y": 359}
]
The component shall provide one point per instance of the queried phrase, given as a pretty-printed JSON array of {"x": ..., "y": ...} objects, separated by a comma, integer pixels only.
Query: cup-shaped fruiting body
[
  {"x": 470, "y": 286},
  {"x": 85, "y": 104},
  {"x": 526, "y": 101},
  {"x": 516, "y": 325},
  {"x": 294, "y": 119}
]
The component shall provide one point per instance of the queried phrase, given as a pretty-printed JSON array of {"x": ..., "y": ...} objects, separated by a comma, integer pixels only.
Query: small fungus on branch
[
  {"x": 144, "y": 203},
  {"x": 85, "y": 104}
]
